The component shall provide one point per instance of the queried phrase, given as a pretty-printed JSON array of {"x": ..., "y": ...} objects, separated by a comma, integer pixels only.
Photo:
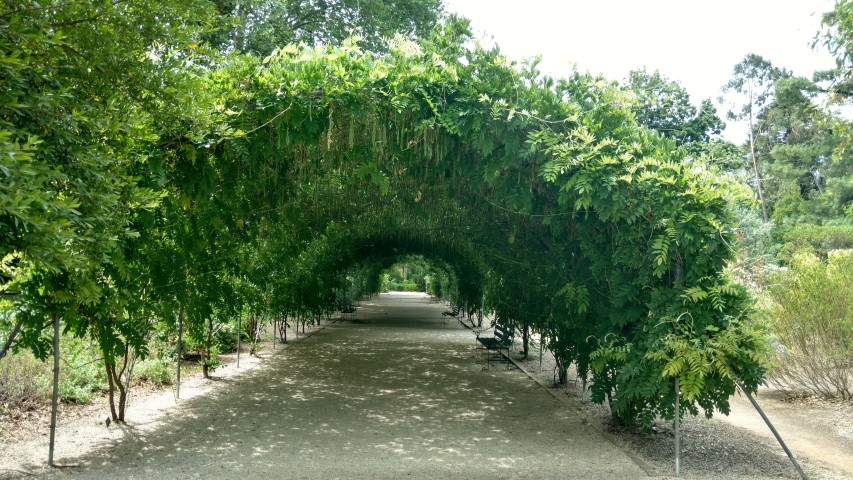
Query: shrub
[
  {"x": 24, "y": 382},
  {"x": 810, "y": 314},
  {"x": 81, "y": 374},
  {"x": 225, "y": 338},
  {"x": 822, "y": 237},
  {"x": 157, "y": 370}
]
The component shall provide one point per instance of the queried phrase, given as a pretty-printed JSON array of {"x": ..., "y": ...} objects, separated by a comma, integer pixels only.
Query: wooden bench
[{"x": 500, "y": 340}]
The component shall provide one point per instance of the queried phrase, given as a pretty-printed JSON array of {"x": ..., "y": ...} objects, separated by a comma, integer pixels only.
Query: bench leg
[{"x": 482, "y": 351}]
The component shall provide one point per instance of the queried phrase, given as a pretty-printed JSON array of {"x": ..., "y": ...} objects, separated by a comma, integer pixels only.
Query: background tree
[
  {"x": 837, "y": 37},
  {"x": 664, "y": 106},
  {"x": 753, "y": 78},
  {"x": 259, "y": 26},
  {"x": 805, "y": 171},
  {"x": 798, "y": 144}
]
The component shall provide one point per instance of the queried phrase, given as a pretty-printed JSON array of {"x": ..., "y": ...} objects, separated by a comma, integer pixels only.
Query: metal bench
[
  {"x": 347, "y": 311},
  {"x": 499, "y": 341},
  {"x": 451, "y": 313}
]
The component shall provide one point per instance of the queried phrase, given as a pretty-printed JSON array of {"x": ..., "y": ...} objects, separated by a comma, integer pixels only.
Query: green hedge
[
  {"x": 823, "y": 237},
  {"x": 403, "y": 287}
]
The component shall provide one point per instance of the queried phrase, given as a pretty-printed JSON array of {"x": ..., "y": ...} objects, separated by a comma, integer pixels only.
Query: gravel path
[
  {"x": 393, "y": 394},
  {"x": 398, "y": 393},
  {"x": 818, "y": 430}
]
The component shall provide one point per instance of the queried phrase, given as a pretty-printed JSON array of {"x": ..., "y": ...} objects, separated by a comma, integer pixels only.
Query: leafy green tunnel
[
  {"x": 543, "y": 195},
  {"x": 542, "y": 199}
]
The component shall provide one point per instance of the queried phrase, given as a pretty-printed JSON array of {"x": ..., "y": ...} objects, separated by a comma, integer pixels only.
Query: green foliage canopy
[
  {"x": 296, "y": 176},
  {"x": 591, "y": 230}
]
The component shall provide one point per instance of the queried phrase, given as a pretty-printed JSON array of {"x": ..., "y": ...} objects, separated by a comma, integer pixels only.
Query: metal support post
[
  {"x": 677, "y": 429},
  {"x": 180, "y": 351},
  {"x": 55, "y": 400}
]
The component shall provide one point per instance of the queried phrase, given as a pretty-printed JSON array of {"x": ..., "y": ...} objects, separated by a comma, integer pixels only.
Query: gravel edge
[{"x": 710, "y": 448}]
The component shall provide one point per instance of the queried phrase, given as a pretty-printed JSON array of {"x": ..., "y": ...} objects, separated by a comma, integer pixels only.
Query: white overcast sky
[{"x": 696, "y": 43}]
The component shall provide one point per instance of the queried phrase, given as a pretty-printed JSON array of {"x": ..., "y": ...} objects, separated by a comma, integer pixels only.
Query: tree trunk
[
  {"x": 562, "y": 371},
  {"x": 205, "y": 354},
  {"x": 256, "y": 336},
  {"x": 282, "y": 328},
  {"x": 296, "y": 319},
  {"x": 11, "y": 339},
  {"x": 755, "y": 161},
  {"x": 116, "y": 384},
  {"x": 615, "y": 418},
  {"x": 122, "y": 388},
  {"x": 525, "y": 340},
  {"x": 112, "y": 389}
]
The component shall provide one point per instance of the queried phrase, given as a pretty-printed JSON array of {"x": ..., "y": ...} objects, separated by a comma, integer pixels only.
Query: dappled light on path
[{"x": 396, "y": 393}]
